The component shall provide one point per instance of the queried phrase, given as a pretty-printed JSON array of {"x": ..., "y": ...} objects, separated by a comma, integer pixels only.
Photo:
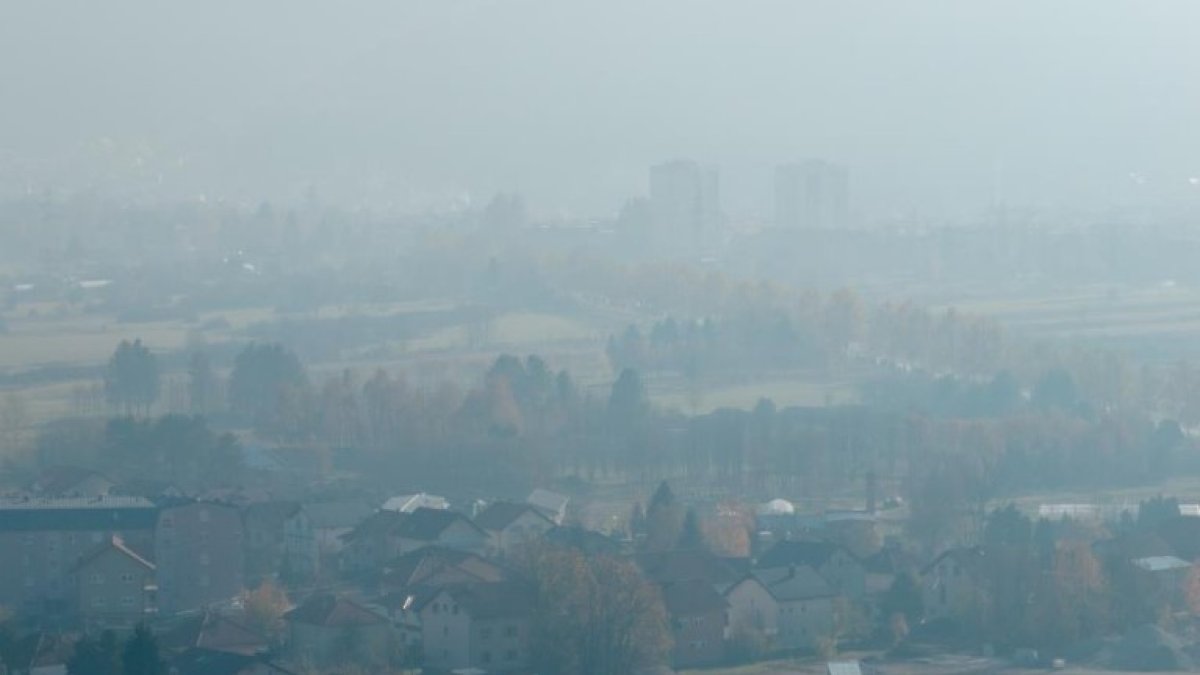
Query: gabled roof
[
  {"x": 114, "y": 543},
  {"x": 329, "y": 610},
  {"x": 336, "y": 515},
  {"x": 968, "y": 558},
  {"x": 210, "y": 630},
  {"x": 429, "y": 524},
  {"x": 378, "y": 523},
  {"x": 485, "y": 601},
  {"x": 687, "y": 565},
  {"x": 788, "y": 584},
  {"x": 548, "y": 500},
  {"x": 421, "y": 525},
  {"x": 588, "y": 541},
  {"x": 797, "y": 552},
  {"x": 684, "y": 598},
  {"x": 500, "y": 515},
  {"x": 439, "y": 565}
]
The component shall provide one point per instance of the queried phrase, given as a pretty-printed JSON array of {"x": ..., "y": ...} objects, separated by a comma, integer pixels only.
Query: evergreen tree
[
  {"x": 691, "y": 538},
  {"x": 131, "y": 381}
]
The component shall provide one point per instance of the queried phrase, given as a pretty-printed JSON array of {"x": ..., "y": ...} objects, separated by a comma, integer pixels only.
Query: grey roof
[
  {"x": 502, "y": 514},
  {"x": 684, "y": 598},
  {"x": 811, "y": 553},
  {"x": 77, "y": 513},
  {"x": 794, "y": 583},
  {"x": 334, "y": 515},
  {"x": 548, "y": 500},
  {"x": 429, "y": 524}
]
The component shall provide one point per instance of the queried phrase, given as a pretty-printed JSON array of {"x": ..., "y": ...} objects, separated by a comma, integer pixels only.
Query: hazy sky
[{"x": 934, "y": 105}]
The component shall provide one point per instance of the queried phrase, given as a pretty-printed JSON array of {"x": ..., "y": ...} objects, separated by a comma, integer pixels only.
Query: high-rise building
[
  {"x": 685, "y": 199},
  {"x": 811, "y": 194}
]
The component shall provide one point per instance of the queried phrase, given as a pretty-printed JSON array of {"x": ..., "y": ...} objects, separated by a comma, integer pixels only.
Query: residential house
[
  {"x": 805, "y": 602},
  {"x": 484, "y": 626},
  {"x": 698, "y": 623},
  {"x": 329, "y": 521},
  {"x": 279, "y": 541},
  {"x": 199, "y": 551},
  {"x": 210, "y": 631},
  {"x": 116, "y": 587},
  {"x": 551, "y": 503},
  {"x": 41, "y": 539},
  {"x": 753, "y": 613},
  {"x": 439, "y": 566},
  {"x": 1164, "y": 578},
  {"x": 70, "y": 481},
  {"x": 387, "y": 535},
  {"x": 834, "y": 563},
  {"x": 511, "y": 526},
  {"x": 952, "y": 584},
  {"x": 327, "y": 629}
]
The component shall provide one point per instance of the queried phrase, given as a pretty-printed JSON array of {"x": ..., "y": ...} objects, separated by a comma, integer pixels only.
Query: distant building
[
  {"x": 811, "y": 195},
  {"x": 832, "y": 562},
  {"x": 553, "y": 504},
  {"x": 41, "y": 540},
  {"x": 698, "y": 614},
  {"x": 483, "y": 626},
  {"x": 387, "y": 535},
  {"x": 952, "y": 585},
  {"x": 685, "y": 202},
  {"x": 116, "y": 587},
  {"x": 198, "y": 547},
  {"x": 328, "y": 629},
  {"x": 511, "y": 525}
]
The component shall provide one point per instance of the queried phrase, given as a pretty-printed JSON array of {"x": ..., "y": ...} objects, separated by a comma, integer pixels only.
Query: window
[
  {"x": 511, "y": 655},
  {"x": 454, "y": 609},
  {"x": 485, "y": 632},
  {"x": 487, "y": 657},
  {"x": 167, "y": 522},
  {"x": 97, "y": 602},
  {"x": 204, "y": 580},
  {"x": 127, "y": 578},
  {"x": 27, "y": 539},
  {"x": 96, "y": 579},
  {"x": 445, "y": 631},
  {"x": 510, "y": 631},
  {"x": 203, "y": 558},
  {"x": 435, "y": 608},
  {"x": 127, "y": 601},
  {"x": 204, "y": 515}
]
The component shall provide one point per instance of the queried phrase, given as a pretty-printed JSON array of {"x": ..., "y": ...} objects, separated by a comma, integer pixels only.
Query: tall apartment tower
[
  {"x": 685, "y": 199},
  {"x": 811, "y": 194}
]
